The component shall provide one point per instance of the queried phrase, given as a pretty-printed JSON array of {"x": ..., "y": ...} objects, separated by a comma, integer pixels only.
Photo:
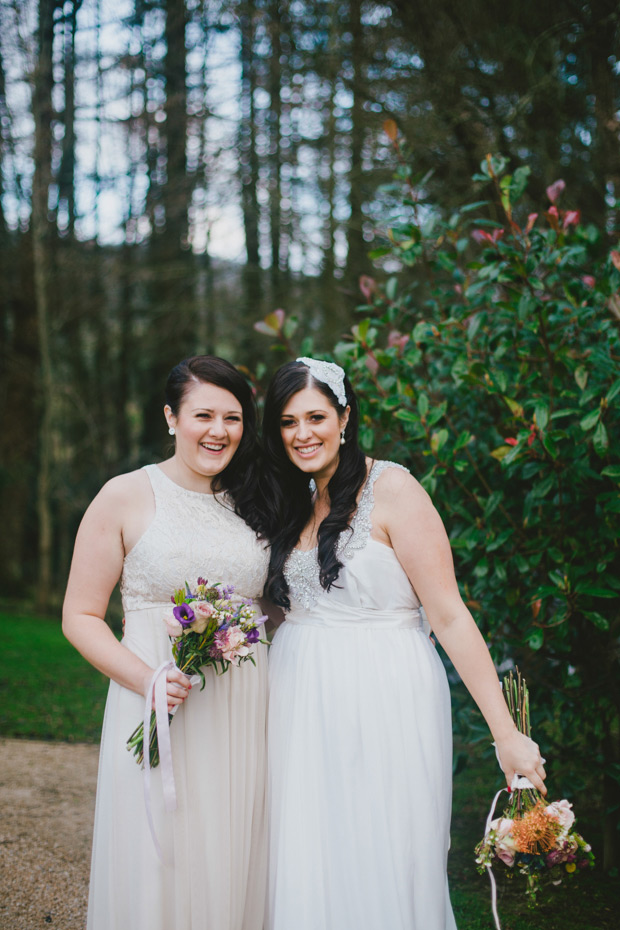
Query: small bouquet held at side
[
  {"x": 207, "y": 627},
  {"x": 533, "y": 838}
]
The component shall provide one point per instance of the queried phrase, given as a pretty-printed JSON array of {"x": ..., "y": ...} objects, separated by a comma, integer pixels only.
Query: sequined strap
[{"x": 362, "y": 523}]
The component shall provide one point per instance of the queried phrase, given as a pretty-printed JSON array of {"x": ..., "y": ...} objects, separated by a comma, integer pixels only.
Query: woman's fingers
[{"x": 521, "y": 755}]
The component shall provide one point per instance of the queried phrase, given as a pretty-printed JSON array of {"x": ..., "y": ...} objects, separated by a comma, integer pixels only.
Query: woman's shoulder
[
  {"x": 394, "y": 483},
  {"x": 125, "y": 490}
]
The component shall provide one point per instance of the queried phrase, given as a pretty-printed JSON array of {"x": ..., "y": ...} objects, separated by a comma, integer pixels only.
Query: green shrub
[{"x": 488, "y": 362}]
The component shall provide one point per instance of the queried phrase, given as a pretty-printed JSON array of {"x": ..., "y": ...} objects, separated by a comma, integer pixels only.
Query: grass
[{"x": 48, "y": 691}]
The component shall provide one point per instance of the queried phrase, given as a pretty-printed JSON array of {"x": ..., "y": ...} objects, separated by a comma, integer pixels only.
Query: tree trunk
[
  {"x": 356, "y": 257},
  {"x": 41, "y": 242},
  {"x": 247, "y": 139},
  {"x": 603, "y": 46}
]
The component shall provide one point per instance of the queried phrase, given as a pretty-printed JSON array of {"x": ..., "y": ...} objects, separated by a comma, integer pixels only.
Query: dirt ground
[{"x": 47, "y": 806}]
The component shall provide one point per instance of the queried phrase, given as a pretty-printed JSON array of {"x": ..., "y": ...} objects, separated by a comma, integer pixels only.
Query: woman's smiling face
[
  {"x": 208, "y": 429},
  {"x": 310, "y": 427}
]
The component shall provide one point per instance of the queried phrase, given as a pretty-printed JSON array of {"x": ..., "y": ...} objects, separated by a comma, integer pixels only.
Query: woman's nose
[
  {"x": 217, "y": 427},
  {"x": 303, "y": 431}
]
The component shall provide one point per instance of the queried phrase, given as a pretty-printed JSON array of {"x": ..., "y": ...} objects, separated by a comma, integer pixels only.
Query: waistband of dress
[
  {"x": 166, "y": 607},
  {"x": 359, "y": 619}
]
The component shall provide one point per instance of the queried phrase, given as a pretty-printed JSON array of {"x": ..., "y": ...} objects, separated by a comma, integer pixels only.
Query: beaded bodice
[
  {"x": 302, "y": 566},
  {"x": 192, "y": 535}
]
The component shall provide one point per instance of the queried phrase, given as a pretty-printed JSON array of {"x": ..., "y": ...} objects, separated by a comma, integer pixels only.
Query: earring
[
  {"x": 342, "y": 439},
  {"x": 171, "y": 430}
]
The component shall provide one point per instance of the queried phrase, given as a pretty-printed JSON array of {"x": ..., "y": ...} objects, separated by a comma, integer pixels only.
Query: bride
[{"x": 359, "y": 708}]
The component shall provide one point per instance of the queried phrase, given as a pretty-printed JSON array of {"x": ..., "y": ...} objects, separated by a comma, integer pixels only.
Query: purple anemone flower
[
  {"x": 184, "y": 614},
  {"x": 252, "y": 636}
]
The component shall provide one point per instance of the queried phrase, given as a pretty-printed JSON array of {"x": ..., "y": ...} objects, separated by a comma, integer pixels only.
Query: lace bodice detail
[
  {"x": 191, "y": 535},
  {"x": 302, "y": 566}
]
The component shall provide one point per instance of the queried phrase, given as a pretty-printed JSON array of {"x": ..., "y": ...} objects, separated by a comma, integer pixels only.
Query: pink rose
[
  {"x": 203, "y": 608},
  {"x": 504, "y": 844},
  {"x": 561, "y": 812},
  {"x": 232, "y": 644},
  {"x": 173, "y": 627},
  {"x": 203, "y": 611}
]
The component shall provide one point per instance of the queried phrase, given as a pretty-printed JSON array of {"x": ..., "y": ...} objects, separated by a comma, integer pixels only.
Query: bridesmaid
[
  {"x": 359, "y": 708},
  {"x": 194, "y": 515}
]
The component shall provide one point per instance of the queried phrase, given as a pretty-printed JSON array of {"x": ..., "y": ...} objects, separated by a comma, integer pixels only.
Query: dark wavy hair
[
  {"x": 240, "y": 477},
  {"x": 287, "y": 488}
]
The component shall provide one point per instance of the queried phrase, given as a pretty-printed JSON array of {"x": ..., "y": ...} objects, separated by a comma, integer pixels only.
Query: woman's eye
[
  {"x": 286, "y": 424},
  {"x": 234, "y": 419},
  {"x": 317, "y": 417}
]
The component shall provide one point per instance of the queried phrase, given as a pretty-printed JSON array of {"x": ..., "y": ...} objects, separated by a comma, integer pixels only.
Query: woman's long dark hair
[
  {"x": 287, "y": 488},
  {"x": 240, "y": 477}
]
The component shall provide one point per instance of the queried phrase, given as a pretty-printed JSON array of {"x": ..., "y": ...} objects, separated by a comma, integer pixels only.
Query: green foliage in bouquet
[{"x": 487, "y": 360}]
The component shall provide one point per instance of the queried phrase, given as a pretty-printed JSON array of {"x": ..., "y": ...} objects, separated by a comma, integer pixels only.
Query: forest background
[{"x": 172, "y": 173}]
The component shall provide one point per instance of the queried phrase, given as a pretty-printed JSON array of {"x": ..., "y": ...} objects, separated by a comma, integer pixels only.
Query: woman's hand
[
  {"x": 178, "y": 687},
  {"x": 520, "y": 755}
]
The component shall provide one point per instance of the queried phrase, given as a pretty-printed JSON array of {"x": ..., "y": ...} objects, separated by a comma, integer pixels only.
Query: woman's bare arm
[
  {"x": 406, "y": 517},
  {"x": 95, "y": 569}
]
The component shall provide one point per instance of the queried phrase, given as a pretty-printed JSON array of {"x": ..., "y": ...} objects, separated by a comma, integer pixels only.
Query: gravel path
[{"x": 47, "y": 805}]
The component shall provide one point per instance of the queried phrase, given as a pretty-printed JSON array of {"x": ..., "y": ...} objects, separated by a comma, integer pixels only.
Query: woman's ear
[
  {"x": 170, "y": 417},
  {"x": 344, "y": 419}
]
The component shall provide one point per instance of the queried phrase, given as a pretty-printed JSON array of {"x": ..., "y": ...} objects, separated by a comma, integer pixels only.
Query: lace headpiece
[{"x": 330, "y": 374}]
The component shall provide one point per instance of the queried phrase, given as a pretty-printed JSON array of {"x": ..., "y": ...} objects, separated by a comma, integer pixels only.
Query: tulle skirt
[
  {"x": 215, "y": 842},
  {"x": 360, "y": 769}
]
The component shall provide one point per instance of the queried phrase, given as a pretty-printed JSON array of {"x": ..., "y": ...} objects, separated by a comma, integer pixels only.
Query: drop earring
[
  {"x": 342, "y": 439},
  {"x": 171, "y": 430}
]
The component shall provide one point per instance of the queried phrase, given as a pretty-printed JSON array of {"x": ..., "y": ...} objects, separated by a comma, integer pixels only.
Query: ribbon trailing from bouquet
[
  {"x": 518, "y": 781},
  {"x": 156, "y": 693}
]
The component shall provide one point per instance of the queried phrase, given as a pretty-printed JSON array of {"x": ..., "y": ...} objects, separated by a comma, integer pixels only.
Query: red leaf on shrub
[
  {"x": 368, "y": 286},
  {"x": 536, "y": 605},
  {"x": 398, "y": 340},
  {"x": 532, "y": 217},
  {"x": 531, "y": 437},
  {"x": 553, "y": 216},
  {"x": 615, "y": 257},
  {"x": 554, "y": 190},
  {"x": 571, "y": 218},
  {"x": 372, "y": 364},
  {"x": 511, "y": 441},
  {"x": 482, "y": 236},
  {"x": 588, "y": 280}
]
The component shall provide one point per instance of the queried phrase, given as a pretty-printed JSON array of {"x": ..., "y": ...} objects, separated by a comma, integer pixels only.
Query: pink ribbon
[{"x": 157, "y": 687}]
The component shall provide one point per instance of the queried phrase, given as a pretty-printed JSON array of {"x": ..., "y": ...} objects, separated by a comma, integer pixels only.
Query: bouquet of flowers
[
  {"x": 532, "y": 838},
  {"x": 207, "y": 627}
]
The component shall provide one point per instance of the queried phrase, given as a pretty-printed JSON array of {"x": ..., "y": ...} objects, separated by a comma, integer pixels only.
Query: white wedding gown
[
  {"x": 216, "y": 839},
  {"x": 360, "y": 748}
]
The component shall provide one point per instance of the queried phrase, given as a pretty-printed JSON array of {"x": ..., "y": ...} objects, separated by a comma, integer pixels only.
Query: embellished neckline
[
  {"x": 367, "y": 481},
  {"x": 302, "y": 566}
]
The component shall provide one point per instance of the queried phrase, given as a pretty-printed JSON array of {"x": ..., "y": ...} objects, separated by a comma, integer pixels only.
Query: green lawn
[{"x": 47, "y": 691}]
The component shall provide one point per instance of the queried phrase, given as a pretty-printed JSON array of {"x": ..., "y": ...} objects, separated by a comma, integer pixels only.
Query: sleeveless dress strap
[
  {"x": 361, "y": 524},
  {"x": 158, "y": 481}
]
